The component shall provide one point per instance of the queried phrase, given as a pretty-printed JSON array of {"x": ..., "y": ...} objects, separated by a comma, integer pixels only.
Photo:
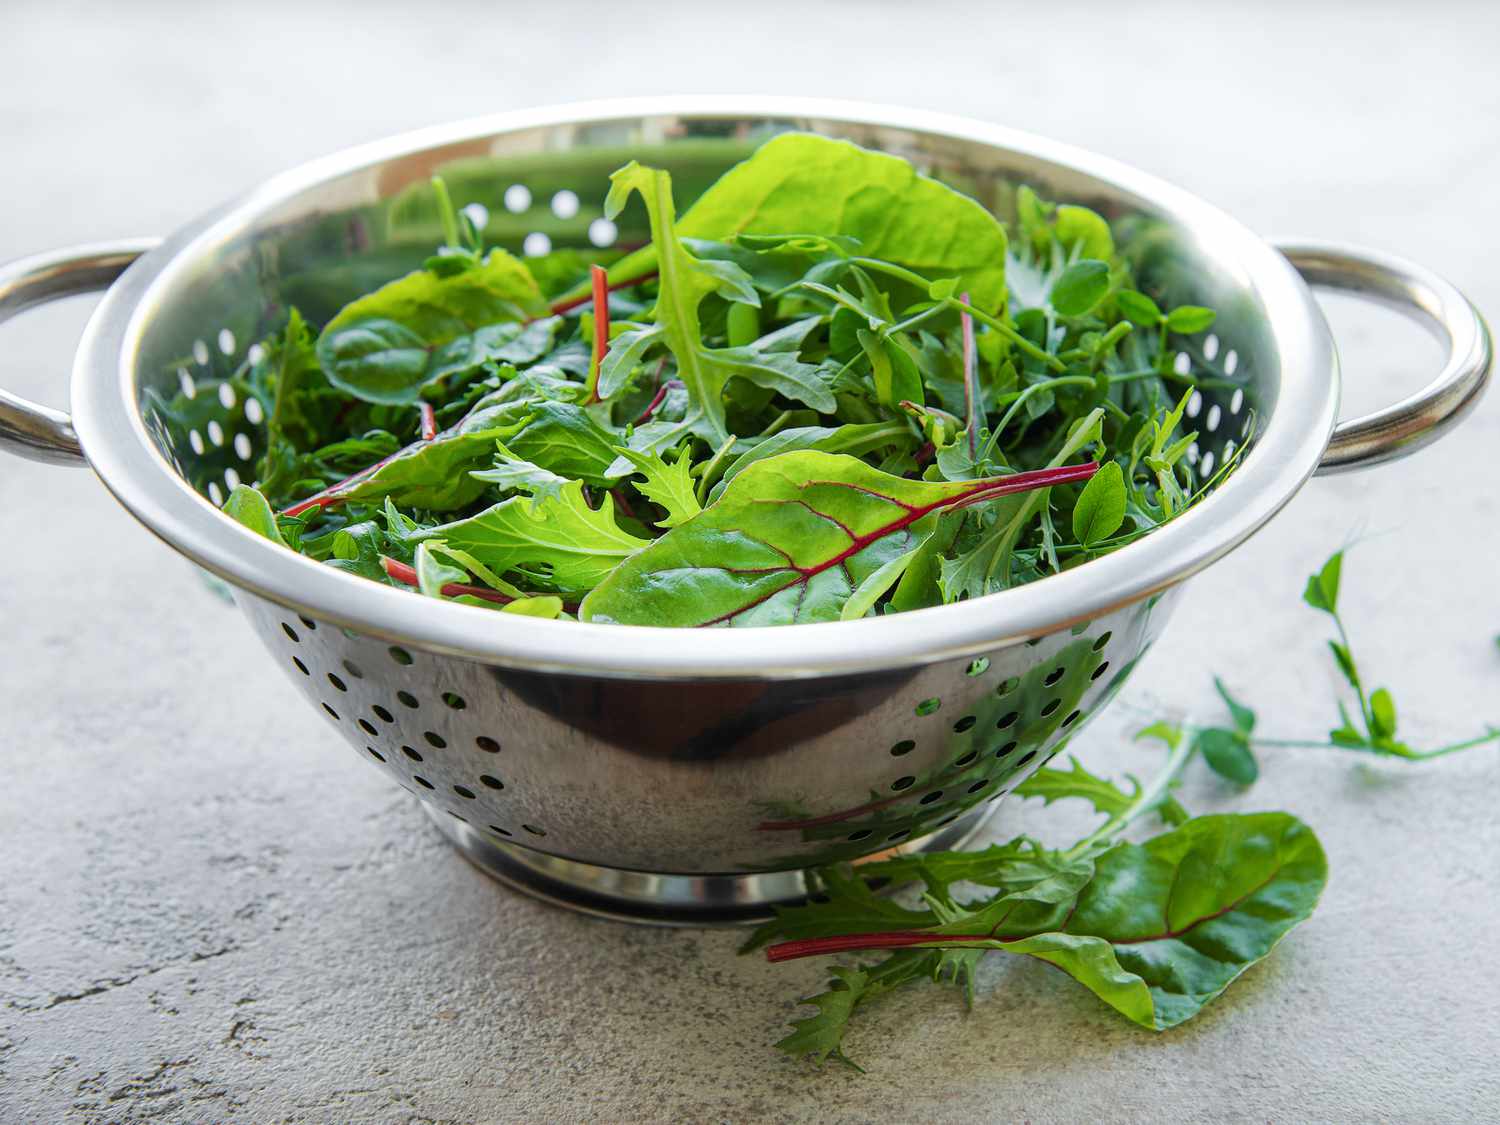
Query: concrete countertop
[{"x": 210, "y": 910}]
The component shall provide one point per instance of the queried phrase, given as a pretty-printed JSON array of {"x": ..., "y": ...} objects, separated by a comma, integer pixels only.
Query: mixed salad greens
[{"x": 831, "y": 388}]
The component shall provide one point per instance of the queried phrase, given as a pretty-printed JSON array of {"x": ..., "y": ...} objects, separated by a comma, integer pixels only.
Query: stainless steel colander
[{"x": 690, "y": 775}]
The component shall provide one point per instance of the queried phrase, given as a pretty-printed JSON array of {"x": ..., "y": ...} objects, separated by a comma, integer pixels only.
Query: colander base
[{"x": 655, "y": 899}]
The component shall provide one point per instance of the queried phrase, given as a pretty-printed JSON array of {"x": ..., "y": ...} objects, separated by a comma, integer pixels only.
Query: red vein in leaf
[
  {"x": 407, "y": 575},
  {"x": 847, "y": 943},
  {"x": 656, "y": 400},
  {"x": 572, "y": 303},
  {"x": 990, "y": 489},
  {"x": 333, "y": 494}
]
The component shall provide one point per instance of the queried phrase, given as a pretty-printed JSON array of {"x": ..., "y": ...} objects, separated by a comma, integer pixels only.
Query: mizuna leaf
[
  {"x": 670, "y": 485},
  {"x": 511, "y": 474},
  {"x": 1056, "y": 785},
  {"x": 557, "y": 542},
  {"x": 385, "y": 346},
  {"x": 788, "y": 541}
]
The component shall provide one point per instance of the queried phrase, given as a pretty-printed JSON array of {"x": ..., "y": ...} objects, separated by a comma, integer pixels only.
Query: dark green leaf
[
  {"x": 1244, "y": 718},
  {"x": 1228, "y": 754}
]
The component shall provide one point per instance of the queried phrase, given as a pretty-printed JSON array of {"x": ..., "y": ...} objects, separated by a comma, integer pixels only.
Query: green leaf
[
  {"x": 1244, "y": 718},
  {"x": 855, "y": 439},
  {"x": 1187, "y": 319},
  {"x": 874, "y": 587},
  {"x": 1083, "y": 230},
  {"x": 625, "y": 354},
  {"x": 1101, "y": 506},
  {"x": 670, "y": 485},
  {"x": 385, "y": 346},
  {"x": 542, "y": 605},
  {"x": 566, "y": 438},
  {"x": 511, "y": 474},
  {"x": 1382, "y": 714},
  {"x": 1081, "y": 286},
  {"x": 249, "y": 507},
  {"x": 1323, "y": 588},
  {"x": 1228, "y": 754},
  {"x": 433, "y": 574},
  {"x": 797, "y": 182},
  {"x": 1345, "y": 660},
  {"x": 895, "y": 373},
  {"x": 788, "y": 541},
  {"x": 438, "y": 475},
  {"x": 1056, "y": 785},
  {"x": 772, "y": 362},
  {"x": 558, "y": 542},
  {"x": 1138, "y": 308},
  {"x": 1165, "y": 926}
]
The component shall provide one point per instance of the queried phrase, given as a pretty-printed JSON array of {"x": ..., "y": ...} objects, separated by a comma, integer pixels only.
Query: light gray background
[{"x": 209, "y": 910}]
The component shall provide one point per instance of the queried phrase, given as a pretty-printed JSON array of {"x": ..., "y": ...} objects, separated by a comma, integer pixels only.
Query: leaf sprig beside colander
[{"x": 834, "y": 388}]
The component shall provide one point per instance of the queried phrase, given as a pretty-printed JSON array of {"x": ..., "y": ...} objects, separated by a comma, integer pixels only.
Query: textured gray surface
[{"x": 209, "y": 910}]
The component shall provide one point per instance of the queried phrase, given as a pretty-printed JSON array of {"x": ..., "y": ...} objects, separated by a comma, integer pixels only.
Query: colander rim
[{"x": 115, "y": 440}]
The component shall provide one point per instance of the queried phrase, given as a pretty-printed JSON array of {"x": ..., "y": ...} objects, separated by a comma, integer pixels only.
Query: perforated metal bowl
[{"x": 673, "y": 775}]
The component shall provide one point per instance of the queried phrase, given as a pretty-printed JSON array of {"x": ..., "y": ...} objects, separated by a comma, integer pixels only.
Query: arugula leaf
[
  {"x": 512, "y": 474},
  {"x": 1056, "y": 785},
  {"x": 789, "y": 540},
  {"x": 557, "y": 542},
  {"x": 386, "y": 346}
]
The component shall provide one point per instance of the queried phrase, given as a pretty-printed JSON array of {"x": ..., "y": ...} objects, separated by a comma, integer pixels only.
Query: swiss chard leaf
[{"x": 788, "y": 541}]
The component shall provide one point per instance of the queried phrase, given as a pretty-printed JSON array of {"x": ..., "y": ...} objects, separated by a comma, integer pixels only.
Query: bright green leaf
[
  {"x": 1081, "y": 286},
  {"x": 1101, "y": 506}
]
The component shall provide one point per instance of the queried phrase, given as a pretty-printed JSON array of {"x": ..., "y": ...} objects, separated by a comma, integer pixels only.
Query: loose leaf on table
[
  {"x": 384, "y": 347},
  {"x": 1323, "y": 587},
  {"x": 556, "y": 542},
  {"x": 1227, "y": 751},
  {"x": 800, "y": 183},
  {"x": 788, "y": 541},
  {"x": 1160, "y": 929}
]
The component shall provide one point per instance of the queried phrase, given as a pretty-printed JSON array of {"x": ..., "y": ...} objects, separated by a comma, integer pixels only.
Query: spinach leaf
[
  {"x": 385, "y": 347},
  {"x": 249, "y": 507},
  {"x": 798, "y": 183},
  {"x": 789, "y": 540}
]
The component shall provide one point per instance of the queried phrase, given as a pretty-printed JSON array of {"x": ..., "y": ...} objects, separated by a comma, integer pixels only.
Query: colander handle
[
  {"x": 1423, "y": 417},
  {"x": 29, "y": 429}
]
